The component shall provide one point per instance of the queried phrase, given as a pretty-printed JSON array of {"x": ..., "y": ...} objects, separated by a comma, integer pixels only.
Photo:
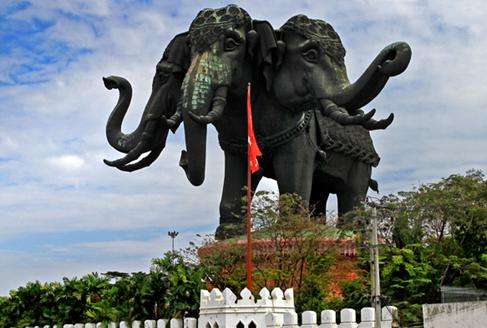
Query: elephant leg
[
  {"x": 294, "y": 164},
  {"x": 231, "y": 216},
  {"x": 356, "y": 189}
]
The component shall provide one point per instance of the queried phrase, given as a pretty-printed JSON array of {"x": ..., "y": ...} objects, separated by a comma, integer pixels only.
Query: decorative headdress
[
  {"x": 320, "y": 31},
  {"x": 209, "y": 24}
]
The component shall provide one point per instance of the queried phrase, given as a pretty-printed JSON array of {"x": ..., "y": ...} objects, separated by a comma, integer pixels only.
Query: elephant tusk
[
  {"x": 144, "y": 162},
  {"x": 139, "y": 149}
]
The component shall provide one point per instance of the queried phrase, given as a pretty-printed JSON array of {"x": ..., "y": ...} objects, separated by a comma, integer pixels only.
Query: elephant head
[
  {"x": 151, "y": 133},
  {"x": 222, "y": 45},
  {"x": 314, "y": 68}
]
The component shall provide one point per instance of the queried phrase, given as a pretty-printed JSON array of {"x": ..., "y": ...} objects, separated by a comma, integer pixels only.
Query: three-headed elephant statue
[{"x": 307, "y": 115}]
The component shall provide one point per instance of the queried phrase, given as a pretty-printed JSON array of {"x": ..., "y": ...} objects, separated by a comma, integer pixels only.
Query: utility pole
[
  {"x": 173, "y": 235},
  {"x": 374, "y": 269}
]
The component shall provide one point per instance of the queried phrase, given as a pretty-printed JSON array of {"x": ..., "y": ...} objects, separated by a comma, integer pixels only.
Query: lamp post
[
  {"x": 374, "y": 268},
  {"x": 173, "y": 235}
]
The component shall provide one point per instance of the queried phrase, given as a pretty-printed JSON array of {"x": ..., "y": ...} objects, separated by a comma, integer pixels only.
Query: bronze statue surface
[{"x": 307, "y": 116}]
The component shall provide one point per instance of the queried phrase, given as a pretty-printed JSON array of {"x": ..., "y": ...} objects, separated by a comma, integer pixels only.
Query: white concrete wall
[
  {"x": 455, "y": 315},
  {"x": 271, "y": 310}
]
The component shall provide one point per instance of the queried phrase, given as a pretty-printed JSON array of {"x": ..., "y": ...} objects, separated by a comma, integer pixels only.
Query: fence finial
[
  {"x": 149, "y": 324},
  {"x": 247, "y": 297},
  {"x": 229, "y": 297},
  {"x": 367, "y": 318},
  {"x": 309, "y": 319},
  {"x": 289, "y": 295},
  {"x": 328, "y": 319},
  {"x": 348, "y": 318},
  {"x": 162, "y": 323}
]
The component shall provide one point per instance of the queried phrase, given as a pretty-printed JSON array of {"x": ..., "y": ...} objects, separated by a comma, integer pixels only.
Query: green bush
[{"x": 169, "y": 289}]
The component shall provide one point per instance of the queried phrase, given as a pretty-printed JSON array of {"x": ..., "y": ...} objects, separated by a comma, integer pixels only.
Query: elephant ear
[
  {"x": 178, "y": 52},
  {"x": 265, "y": 53}
]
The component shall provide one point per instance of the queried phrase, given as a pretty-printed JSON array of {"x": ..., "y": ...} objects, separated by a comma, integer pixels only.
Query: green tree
[
  {"x": 432, "y": 236},
  {"x": 184, "y": 282}
]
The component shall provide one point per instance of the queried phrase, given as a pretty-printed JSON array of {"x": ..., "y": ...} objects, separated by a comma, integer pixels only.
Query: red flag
[{"x": 253, "y": 150}]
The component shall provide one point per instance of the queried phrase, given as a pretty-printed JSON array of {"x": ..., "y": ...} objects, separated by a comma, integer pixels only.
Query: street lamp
[{"x": 173, "y": 235}]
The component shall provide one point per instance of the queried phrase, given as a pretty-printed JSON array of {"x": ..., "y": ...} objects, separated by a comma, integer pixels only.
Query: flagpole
[
  {"x": 249, "y": 229},
  {"x": 249, "y": 207}
]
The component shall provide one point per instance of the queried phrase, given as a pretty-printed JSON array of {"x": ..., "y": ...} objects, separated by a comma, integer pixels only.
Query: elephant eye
[
  {"x": 311, "y": 55},
  {"x": 230, "y": 44}
]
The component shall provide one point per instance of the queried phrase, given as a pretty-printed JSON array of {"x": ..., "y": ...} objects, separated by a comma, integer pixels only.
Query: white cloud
[{"x": 67, "y": 162}]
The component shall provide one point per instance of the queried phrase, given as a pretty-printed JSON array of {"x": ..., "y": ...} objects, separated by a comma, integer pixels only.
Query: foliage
[
  {"x": 433, "y": 236},
  {"x": 184, "y": 282},
  {"x": 169, "y": 289},
  {"x": 290, "y": 251}
]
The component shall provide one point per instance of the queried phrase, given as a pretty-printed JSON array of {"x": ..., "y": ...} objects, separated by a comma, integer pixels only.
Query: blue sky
[{"x": 64, "y": 213}]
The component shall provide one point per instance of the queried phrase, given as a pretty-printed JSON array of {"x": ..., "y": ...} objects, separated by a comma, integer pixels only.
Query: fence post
[
  {"x": 367, "y": 318},
  {"x": 328, "y": 319},
  {"x": 136, "y": 324},
  {"x": 309, "y": 319},
  {"x": 348, "y": 319},
  {"x": 176, "y": 323},
  {"x": 162, "y": 323},
  {"x": 389, "y": 316},
  {"x": 190, "y": 323},
  {"x": 150, "y": 324},
  {"x": 291, "y": 320}
]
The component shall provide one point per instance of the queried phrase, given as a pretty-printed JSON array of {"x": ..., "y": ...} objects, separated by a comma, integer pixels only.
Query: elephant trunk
[
  {"x": 116, "y": 138},
  {"x": 391, "y": 61},
  {"x": 204, "y": 93}
]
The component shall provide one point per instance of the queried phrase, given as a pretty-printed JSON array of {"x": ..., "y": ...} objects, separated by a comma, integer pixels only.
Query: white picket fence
[
  {"x": 223, "y": 310},
  {"x": 161, "y": 323},
  {"x": 348, "y": 319}
]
